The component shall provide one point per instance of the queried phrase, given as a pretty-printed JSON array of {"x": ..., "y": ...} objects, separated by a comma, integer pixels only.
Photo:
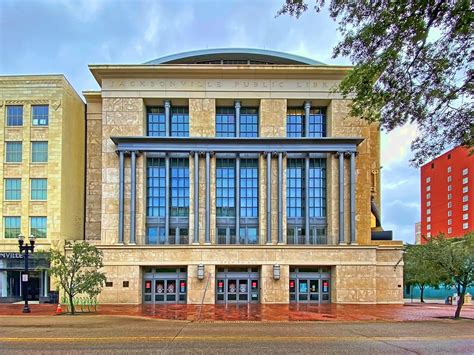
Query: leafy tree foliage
[
  {"x": 78, "y": 270},
  {"x": 413, "y": 64},
  {"x": 419, "y": 271},
  {"x": 455, "y": 258}
]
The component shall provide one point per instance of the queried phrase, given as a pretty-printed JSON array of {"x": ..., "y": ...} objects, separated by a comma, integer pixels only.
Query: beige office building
[{"x": 235, "y": 176}]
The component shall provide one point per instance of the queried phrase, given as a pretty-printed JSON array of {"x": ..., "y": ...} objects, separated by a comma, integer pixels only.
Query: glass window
[
  {"x": 156, "y": 187},
  {"x": 428, "y": 179},
  {"x": 39, "y": 152},
  {"x": 450, "y": 230},
  {"x": 428, "y": 195},
  {"x": 156, "y": 125},
  {"x": 449, "y": 169},
  {"x": 465, "y": 216},
  {"x": 40, "y": 115},
  {"x": 465, "y": 225},
  {"x": 15, "y": 115},
  {"x": 295, "y": 188},
  {"x": 465, "y": 198},
  {"x": 450, "y": 204},
  {"x": 317, "y": 122},
  {"x": 248, "y": 235},
  {"x": 450, "y": 213},
  {"x": 428, "y": 227},
  {"x": 225, "y": 187},
  {"x": 295, "y": 122},
  {"x": 450, "y": 178},
  {"x": 180, "y": 122},
  {"x": 428, "y": 211},
  {"x": 450, "y": 221},
  {"x": 38, "y": 226},
  {"x": 450, "y": 187},
  {"x": 428, "y": 203},
  {"x": 39, "y": 189},
  {"x": 428, "y": 219},
  {"x": 465, "y": 180},
  {"x": 249, "y": 188},
  {"x": 12, "y": 226},
  {"x": 428, "y": 188},
  {"x": 248, "y": 122},
  {"x": 450, "y": 196},
  {"x": 12, "y": 189},
  {"x": 13, "y": 152},
  {"x": 317, "y": 187},
  {"x": 465, "y": 207},
  {"x": 465, "y": 189},
  {"x": 179, "y": 187},
  {"x": 465, "y": 171},
  {"x": 225, "y": 122}
]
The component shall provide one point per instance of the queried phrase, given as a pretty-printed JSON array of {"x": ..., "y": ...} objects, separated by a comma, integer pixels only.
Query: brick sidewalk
[{"x": 257, "y": 312}]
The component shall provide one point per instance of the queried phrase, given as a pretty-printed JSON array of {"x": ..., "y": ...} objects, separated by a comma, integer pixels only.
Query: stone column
[
  {"x": 353, "y": 185},
  {"x": 196, "y": 198},
  {"x": 341, "y": 198},
  {"x": 208, "y": 198},
  {"x": 237, "y": 118},
  {"x": 121, "y": 194},
  {"x": 133, "y": 189},
  {"x": 307, "y": 108},
  {"x": 167, "y": 198},
  {"x": 167, "y": 118},
  {"x": 306, "y": 199},
  {"x": 269, "y": 197},
  {"x": 280, "y": 197},
  {"x": 237, "y": 199}
]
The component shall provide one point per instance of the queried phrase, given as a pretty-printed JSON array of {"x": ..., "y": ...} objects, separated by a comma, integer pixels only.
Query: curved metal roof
[{"x": 234, "y": 54}]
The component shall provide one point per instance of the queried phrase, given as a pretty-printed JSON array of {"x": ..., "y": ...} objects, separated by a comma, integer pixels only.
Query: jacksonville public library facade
[{"x": 234, "y": 176}]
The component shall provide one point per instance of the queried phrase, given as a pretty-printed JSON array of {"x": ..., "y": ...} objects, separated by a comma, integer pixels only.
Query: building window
[
  {"x": 156, "y": 187},
  {"x": 450, "y": 178},
  {"x": 295, "y": 188},
  {"x": 13, "y": 152},
  {"x": 249, "y": 188},
  {"x": 428, "y": 203},
  {"x": 179, "y": 122},
  {"x": 465, "y": 225},
  {"x": 428, "y": 180},
  {"x": 156, "y": 122},
  {"x": 428, "y": 227},
  {"x": 14, "y": 115},
  {"x": 449, "y": 169},
  {"x": 38, "y": 226},
  {"x": 39, "y": 189},
  {"x": 295, "y": 122},
  {"x": 465, "y": 180},
  {"x": 317, "y": 187},
  {"x": 39, "y": 152},
  {"x": 179, "y": 187},
  {"x": 450, "y": 221},
  {"x": 248, "y": 122},
  {"x": 225, "y": 122},
  {"x": 450, "y": 213},
  {"x": 428, "y": 196},
  {"x": 450, "y": 196},
  {"x": 465, "y": 207},
  {"x": 12, "y": 226},
  {"x": 317, "y": 122},
  {"x": 428, "y": 211},
  {"x": 428, "y": 234},
  {"x": 12, "y": 189},
  {"x": 465, "y": 171},
  {"x": 40, "y": 115},
  {"x": 225, "y": 187},
  {"x": 450, "y": 204},
  {"x": 465, "y": 189},
  {"x": 432, "y": 165},
  {"x": 465, "y": 216},
  {"x": 450, "y": 187},
  {"x": 428, "y": 219},
  {"x": 450, "y": 230},
  {"x": 428, "y": 188},
  {"x": 465, "y": 198}
]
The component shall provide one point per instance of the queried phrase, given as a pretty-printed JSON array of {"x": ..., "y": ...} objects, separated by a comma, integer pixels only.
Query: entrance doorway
[
  {"x": 164, "y": 285},
  {"x": 238, "y": 285},
  {"x": 310, "y": 284}
]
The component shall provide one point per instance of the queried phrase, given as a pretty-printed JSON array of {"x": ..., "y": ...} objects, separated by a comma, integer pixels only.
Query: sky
[{"x": 64, "y": 36}]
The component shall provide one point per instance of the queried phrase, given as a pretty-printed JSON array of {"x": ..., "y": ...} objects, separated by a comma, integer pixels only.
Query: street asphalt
[{"x": 94, "y": 334}]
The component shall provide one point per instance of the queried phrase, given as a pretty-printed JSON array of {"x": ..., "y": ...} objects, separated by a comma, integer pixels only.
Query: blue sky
[{"x": 64, "y": 36}]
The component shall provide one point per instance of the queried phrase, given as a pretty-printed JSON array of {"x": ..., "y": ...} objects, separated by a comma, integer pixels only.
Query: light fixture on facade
[
  {"x": 276, "y": 272},
  {"x": 200, "y": 273}
]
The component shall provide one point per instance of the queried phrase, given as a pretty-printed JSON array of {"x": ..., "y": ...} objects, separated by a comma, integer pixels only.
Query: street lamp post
[{"x": 24, "y": 278}]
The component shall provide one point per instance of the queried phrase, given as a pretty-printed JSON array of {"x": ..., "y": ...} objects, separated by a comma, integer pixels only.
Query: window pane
[
  {"x": 295, "y": 188},
  {"x": 15, "y": 115},
  {"x": 39, "y": 189},
  {"x": 248, "y": 122},
  {"x": 249, "y": 188},
  {"x": 12, "y": 189},
  {"x": 317, "y": 187},
  {"x": 39, "y": 152},
  {"x": 225, "y": 122},
  {"x": 156, "y": 121},
  {"x": 180, "y": 122},
  {"x": 179, "y": 187},
  {"x": 38, "y": 227},
  {"x": 317, "y": 122},
  {"x": 295, "y": 122},
  {"x": 40, "y": 115},
  {"x": 156, "y": 184},
  {"x": 13, "y": 152},
  {"x": 225, "y": 187},
  {"x": 12, "y": 226}
]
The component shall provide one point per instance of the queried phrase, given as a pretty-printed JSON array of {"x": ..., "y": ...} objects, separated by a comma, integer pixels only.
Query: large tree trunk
[
  {"x": 71, "y": 304},
  {"x": 461, "y": 294},
  {"x": 422, "y": 291}
]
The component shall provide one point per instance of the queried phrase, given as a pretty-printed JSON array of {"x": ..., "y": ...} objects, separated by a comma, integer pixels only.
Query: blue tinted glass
[
  {"x": 225, "y": 187},
  {"x": 40, "y": 115},
  {"x": 179, "y": 187},
  {"x": 156, "y": 121},
  {"x": 180, "y": 122},
  {"x": 14, "y": 115},
  {"x": 295, "y": 122},
  {"x": 225, "y": 122},
  {"x": 38, "y": 227},
  {"x": 156, "y": 184},
  {"x": 294, "y": 188},
  {"x": 12, "y": 189},
  {"x": 248, "y": 122},
  {"x": 249, "y": 188},
  {"x": 317, "y": 122},
  {"x": 317, "y": 187},
  {"x": 12, "y": 227}
]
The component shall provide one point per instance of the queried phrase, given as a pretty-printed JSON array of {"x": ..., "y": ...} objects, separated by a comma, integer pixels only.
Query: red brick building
[{"x": 447, "y": 194}]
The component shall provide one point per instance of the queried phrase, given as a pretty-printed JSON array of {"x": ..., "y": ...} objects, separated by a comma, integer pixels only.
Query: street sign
[{"x": 24, "y": 277}]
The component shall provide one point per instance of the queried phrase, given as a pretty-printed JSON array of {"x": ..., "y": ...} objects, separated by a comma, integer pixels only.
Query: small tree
[
  {"x": 419, "y": 271},
  {"x": 78, "y": 270},
  {"x": 455, "y": 257}
]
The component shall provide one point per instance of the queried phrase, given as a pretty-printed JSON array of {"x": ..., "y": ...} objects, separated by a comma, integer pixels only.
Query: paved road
[{"x": 129, "y": 335}]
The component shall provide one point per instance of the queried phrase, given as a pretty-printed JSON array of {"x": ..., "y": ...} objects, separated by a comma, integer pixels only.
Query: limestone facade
[{"x": 361, "y": 272}]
